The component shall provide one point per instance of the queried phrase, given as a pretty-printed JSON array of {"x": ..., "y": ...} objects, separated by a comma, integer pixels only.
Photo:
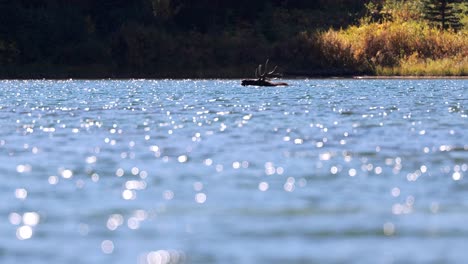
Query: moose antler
[
  {"x": 266, "y": 74},
  {"x": 262, "y": 77}
]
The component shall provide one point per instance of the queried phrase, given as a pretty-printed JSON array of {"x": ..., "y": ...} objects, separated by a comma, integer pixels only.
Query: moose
[{"x": 263, "y": 76}]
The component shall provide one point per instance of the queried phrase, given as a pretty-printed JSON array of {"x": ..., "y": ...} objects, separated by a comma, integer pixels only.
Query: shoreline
[
  {"x": 411, "y": 77},
  {"x": 358, "y": 77}
]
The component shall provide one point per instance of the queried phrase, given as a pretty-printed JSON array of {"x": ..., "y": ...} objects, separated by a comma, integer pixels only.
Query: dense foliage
[
  {"x": 181, "y": 38},
  {"x": 400, "y": 42},
  {"x": 161, "y": 38},
  {"x": 444, "y": 13}
]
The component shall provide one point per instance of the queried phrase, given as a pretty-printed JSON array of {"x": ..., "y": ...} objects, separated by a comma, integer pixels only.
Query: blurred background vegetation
[{"x": 229, "y": 38}]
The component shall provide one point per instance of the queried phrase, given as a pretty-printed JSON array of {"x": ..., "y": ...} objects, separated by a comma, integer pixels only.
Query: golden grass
[
  {"x": 398, "y": 48},
  {"x": 455, "y": 66}
]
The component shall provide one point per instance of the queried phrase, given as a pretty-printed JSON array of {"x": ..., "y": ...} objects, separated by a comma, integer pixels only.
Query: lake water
[{"x": 208, "y": 171}]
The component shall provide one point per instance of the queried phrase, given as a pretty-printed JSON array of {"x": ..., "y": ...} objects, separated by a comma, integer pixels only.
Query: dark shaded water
[{"x": 323, "y": 171}]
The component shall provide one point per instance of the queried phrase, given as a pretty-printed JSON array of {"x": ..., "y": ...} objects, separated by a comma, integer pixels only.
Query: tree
[{"x": 443, "y": 13}]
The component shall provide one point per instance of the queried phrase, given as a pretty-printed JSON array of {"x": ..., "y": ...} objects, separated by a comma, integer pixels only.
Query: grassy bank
[
  {"x": 427, "y": 67},
  {"x": 401, "y": 44}
]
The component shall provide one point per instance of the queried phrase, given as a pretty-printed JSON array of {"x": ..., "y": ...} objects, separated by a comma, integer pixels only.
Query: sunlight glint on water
[{"x": 209, "y": 171}]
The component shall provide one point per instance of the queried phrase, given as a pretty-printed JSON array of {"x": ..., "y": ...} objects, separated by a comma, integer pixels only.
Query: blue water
[{"x": 208, "y": 171}]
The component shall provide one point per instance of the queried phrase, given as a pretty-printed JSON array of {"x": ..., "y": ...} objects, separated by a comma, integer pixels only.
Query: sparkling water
[{"x": 208, "y": 171}]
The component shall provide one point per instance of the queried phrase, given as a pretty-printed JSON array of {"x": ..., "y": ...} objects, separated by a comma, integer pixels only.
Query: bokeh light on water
[{"x": 323, "y": 171}]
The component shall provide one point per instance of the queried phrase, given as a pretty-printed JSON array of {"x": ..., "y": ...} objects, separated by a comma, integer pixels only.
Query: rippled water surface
[{"x": 322, "y": 171}]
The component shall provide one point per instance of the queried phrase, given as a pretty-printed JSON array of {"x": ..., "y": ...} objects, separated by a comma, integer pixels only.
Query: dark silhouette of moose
[{"x": 263, "y": 77}]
